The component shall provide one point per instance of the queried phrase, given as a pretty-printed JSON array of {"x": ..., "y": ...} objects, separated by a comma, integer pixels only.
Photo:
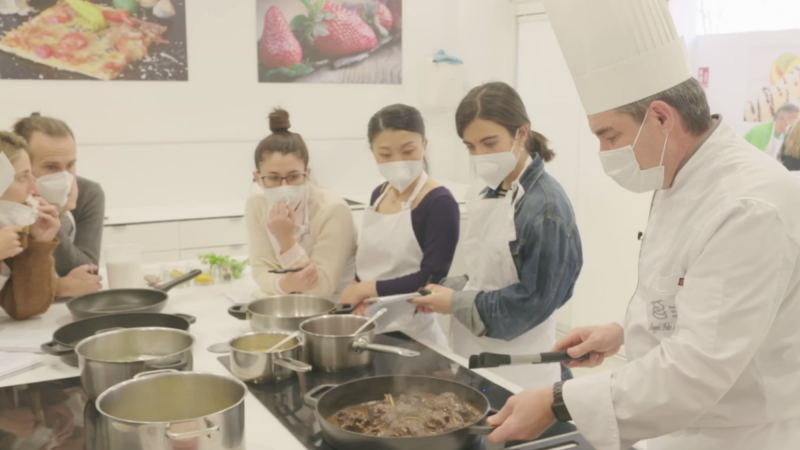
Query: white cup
[{"x": 124, "y": 266}]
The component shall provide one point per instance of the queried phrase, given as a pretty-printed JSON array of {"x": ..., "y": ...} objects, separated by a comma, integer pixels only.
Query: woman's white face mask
[
  {"x": 291, "y": 195},
  {"x": 401, "y": 174},
  {"x": 17, "y": 214},
  {"x": 493, "y": 168},
  {"x": 55, "y": 187},
  {"x": 621, "y": 165}
]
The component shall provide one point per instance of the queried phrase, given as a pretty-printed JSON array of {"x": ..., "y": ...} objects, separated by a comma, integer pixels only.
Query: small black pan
[{"x": 116, "y": 301}]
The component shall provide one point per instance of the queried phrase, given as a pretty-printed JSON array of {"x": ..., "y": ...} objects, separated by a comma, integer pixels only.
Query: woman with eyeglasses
[{"x": 293, "y": 224}]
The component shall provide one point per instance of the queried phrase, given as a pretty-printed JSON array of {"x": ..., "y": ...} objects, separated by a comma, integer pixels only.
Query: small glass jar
[{"x": 224, "y": 273}]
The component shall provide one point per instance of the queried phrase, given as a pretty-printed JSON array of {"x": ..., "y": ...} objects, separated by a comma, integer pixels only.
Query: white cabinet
[
  {"x": 212, "y": 232},
  {"x": 153, "y": 237}
]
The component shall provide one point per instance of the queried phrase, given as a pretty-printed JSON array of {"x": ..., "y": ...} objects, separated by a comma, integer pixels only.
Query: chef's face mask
[
  {"x": 621, "y": 165},
  {"x": 55, "y": 187},
  {"x": 291, "y": 195},
  {"x": 493, "y": 168},
  {"x": 401, "y": 174}
]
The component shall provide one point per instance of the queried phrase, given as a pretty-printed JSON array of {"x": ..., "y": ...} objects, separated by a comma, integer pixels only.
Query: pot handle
[
  {"x": 483, "y": 430},
  {"x": 239, "y": 311},
  {"x": 153, "y": 372},
  {"x": 56, "y": 349},
  {"x": 211, "y": 429},
  {"x": 180, "y": 280},
  {"x": 362, "y": 344},
  {"x": 311, "y": 396},
  {"x": 344, "y": 308},
  {"x": 292, "y": 364},
  {"x": 189, "y": 318}
]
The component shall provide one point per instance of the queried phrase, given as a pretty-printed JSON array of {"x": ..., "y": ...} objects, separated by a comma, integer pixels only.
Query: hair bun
[
  {"x": 36, "y": 114},
  {"x": 279, "y": 121}
]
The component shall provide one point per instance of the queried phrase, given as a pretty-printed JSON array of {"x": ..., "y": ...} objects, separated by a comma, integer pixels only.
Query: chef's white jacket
[{"x": 713, "y": 331}]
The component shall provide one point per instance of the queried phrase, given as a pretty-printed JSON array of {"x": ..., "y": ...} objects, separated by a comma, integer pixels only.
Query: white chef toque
[{"x": 619, "y": 51}]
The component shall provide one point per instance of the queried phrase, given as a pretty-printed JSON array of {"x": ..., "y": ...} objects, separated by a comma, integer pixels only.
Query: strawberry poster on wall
[{"x": 330, "y": 41}]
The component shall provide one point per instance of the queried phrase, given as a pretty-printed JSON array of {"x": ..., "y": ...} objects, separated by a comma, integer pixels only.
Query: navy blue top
[{"x": 436, "y": 223}]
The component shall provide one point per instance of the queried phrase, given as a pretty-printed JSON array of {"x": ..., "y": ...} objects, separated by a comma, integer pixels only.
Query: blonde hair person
[
  {"x": 790, "y": 154},
  {"x": 28, "y": 278}
]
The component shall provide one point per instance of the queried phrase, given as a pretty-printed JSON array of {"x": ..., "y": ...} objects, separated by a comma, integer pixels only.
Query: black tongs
[{"x": 488, "y": 360}]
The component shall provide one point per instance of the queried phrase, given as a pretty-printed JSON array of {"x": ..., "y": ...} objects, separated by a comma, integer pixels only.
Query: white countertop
[
  {"x": 233, "y": 208},
  {"x": 214, "y": 325}
]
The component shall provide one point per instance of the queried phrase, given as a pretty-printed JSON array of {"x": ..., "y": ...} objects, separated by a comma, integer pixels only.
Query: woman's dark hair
[
  {"x": 500, "y": 103},
  {"x": 396, "y": 117},
  {"x": 281, "y": 140}
]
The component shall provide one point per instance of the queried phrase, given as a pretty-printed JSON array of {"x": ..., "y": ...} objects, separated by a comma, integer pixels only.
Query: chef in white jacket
[{"x": 711, "y": 332}]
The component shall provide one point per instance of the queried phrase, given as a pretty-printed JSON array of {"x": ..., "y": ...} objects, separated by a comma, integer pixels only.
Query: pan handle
[
  {"x": 292, "y": 364},
  {"x": 311, "y": 396},
  {"x": 483, "y": 430},
  {"x": 363, "y": 344},
  {"x": 56, "y": 349},
  {"x": 239, "y": 311},
  {"x": 344, "y": 308},
  {"x": 180, "y": 280},
  {"x": 189, "y": 318}
]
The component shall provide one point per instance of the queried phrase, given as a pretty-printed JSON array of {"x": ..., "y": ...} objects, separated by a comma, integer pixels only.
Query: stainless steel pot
[
  {"x": 252, "y": 364},
  {"x": 285, "y": 312},
  {"x": 179, "y": 410},
  {"x": 110, "y": 358},
  {"x": 331, "y": 346},
  {"x": 358, "y": 392}
]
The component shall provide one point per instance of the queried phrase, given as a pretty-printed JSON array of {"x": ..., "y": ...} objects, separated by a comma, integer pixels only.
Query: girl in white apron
[
  {"x": 522, "y": 248},
  {"x": 410, "y": 231},
  {"x": 285, "y": 215}
]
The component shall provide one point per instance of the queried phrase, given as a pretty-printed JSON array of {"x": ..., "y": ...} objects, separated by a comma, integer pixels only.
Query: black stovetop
[{"x": 285, "y": 399}]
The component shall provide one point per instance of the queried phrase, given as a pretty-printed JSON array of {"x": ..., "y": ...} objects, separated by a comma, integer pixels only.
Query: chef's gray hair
[{"x": 688, "y": 98}]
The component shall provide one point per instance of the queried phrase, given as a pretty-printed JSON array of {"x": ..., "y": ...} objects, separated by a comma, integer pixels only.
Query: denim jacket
[{"x": 548, "y": 257}]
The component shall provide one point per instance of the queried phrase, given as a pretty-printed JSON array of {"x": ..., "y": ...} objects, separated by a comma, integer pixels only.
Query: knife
[
  {"x": 284, "y": 271},
  {"x": 487, "y": 360}
]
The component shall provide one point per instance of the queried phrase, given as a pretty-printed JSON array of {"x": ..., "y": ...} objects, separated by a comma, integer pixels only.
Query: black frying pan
[
  {"x": 116, "y": 301},
  {"x": 67, "y": 337}
]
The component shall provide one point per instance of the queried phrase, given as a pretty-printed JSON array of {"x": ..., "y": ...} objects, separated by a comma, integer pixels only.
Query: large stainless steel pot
[
  {"x": 285, "y": 312},
  {"x": 251, "y": 363},
  {"x": 171, "y": 411},
  {"x": 67, "y": 337},
  {"x": 110, "y": 358},
  {"x": 358, "y": 392},
  {"x": 331, "y": 346}
]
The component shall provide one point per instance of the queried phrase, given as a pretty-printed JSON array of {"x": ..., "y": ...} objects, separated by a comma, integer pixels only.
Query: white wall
[{"x": 169, "y": 143}]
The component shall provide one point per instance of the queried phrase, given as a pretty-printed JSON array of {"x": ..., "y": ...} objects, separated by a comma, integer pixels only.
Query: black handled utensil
[
  {"x": 284, "y": 271},
  {"x": 488, "y": 360}
]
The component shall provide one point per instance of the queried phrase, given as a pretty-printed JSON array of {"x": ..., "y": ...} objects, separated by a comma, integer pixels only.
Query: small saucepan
[
  {"x": 250, "y": 362},
  {"x": 331, "y": 345},
  {"x": 126, "y": 300},
  {"x": 286, "y": 312}
]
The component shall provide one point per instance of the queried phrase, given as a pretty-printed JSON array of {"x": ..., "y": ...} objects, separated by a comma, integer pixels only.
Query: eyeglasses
[{"x": 294, "y": 179}]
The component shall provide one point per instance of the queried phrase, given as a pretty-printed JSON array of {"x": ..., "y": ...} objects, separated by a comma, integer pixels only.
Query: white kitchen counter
[{"x": 209, "y": 304}]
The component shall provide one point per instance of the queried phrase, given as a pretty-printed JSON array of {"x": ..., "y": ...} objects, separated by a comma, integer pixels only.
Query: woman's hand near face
[
  {"x": 10, "y": 245},
  {"x": 46, "y": 227},
  {"x": 280, "y": 223}
]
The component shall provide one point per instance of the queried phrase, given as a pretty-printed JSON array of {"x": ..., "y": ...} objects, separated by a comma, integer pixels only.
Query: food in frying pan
[{"x": 410, "y": 415}]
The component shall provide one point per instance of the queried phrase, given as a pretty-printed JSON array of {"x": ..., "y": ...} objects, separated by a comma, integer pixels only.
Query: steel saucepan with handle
[
  {"x": 331, "y": 346},
  {"x": 250, "y": 362},
  {"x": 67, "y": 337},
  {"x": 333, "y": 399},
  {"x": 113, "y": 357},
  {"x": 175, "y": 410},
  {"x": 126, "y": 300},
  {"x": 286, "y": 312}
]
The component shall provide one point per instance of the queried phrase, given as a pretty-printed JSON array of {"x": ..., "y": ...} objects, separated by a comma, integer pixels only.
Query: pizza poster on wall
[
  {"x": 131, "y": 40},
  {"x": 330, "y": 41},
  {"x": 773, "y": 80}
]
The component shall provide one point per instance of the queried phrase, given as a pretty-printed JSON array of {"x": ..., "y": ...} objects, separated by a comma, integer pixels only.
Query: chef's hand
[
  {"x": 46, "y": 227},
  {"x": 524, "y": 417},
  {"x": 10, "y": 245},
  {"x": 601, "y": 342},
  {"x": 357, "y": 292},
  {"x": 80, "y": 281},
  {"x": 280, "y": 223},
  {"x": 19, "y": 422},
  {"x": 303, "y": 281},
  {"x": 439, "y": 301}
]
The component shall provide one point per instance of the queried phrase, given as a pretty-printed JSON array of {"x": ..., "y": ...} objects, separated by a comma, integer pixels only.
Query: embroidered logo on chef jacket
[{"x": 662, "y": 314}]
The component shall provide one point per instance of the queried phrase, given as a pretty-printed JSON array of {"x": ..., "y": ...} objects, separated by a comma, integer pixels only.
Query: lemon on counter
[{"x": 203, "y": 279}]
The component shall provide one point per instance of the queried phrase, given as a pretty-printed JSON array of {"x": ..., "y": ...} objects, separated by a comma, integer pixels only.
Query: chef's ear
[
  {"x": 425, "y": 145},
  {"x": 666, "y": 115},
  {"x": 257, "y": 177}
]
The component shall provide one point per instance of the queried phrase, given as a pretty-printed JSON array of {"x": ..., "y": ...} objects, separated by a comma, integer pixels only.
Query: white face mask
[
  {"x": 621, "y": 165},
  {"x": 493, "y": 168},
  {"x": 291, "y": 195},
  {"x": 16, "y": 214},
  {"x": 55, "y": 187},
  {"x": 402, "y": 174}
]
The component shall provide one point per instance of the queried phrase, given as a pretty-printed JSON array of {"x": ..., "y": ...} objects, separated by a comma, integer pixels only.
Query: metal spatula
[{"x": 487, "y": 360}]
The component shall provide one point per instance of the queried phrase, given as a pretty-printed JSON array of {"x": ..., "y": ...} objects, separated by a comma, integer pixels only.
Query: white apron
[
  {"x": 304, "y": 239},
  {"x": 490, "y": 267},
  {"x": 388, "y": 249},
  {"x": 773, "y": 148}
]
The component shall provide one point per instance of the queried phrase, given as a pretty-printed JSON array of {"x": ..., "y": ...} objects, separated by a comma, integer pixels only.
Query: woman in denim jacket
[{"x": 522, "y": 247}]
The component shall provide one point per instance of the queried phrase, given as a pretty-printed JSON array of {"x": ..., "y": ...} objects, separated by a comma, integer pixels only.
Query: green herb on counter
[{"x": 212, "y": 260}]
